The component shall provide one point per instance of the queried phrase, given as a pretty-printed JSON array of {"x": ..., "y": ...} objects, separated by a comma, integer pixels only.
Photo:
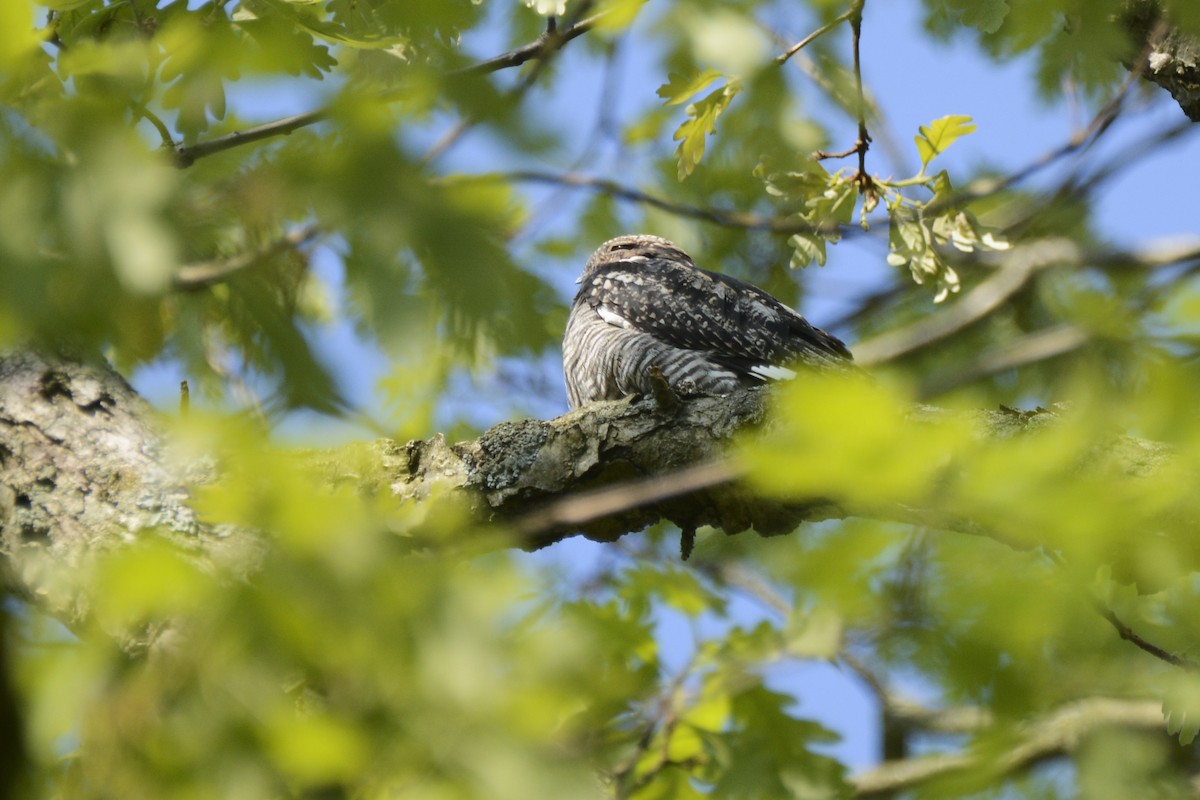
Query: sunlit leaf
[
  {"x": 986, "y": 15},
  {"x": 935, "y": 137},
  {"x": 681, "y": 87},
  {"x": 701, "y": 123}
]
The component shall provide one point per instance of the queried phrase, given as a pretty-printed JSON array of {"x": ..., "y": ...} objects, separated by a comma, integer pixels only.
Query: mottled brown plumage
[{"x": 643, "y": 303}]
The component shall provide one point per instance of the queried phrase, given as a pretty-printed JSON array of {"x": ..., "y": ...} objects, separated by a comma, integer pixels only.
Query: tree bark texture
[
  {"x": 1172, "y": 58},
  {"x": 83, "y": 467}
]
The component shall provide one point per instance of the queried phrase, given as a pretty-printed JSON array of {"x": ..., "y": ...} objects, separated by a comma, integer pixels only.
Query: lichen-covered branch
[
  {"x": 83, "y": 466},
  {"x": 1173, "y": 55},
  {"x": 605, "y": 470}
]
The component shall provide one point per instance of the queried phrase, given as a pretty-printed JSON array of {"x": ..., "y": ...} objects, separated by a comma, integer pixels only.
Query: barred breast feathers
[{"x": 643, "y": 303}]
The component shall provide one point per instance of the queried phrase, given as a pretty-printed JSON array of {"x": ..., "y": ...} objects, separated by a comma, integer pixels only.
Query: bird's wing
[{"x": 742, "y": 326}]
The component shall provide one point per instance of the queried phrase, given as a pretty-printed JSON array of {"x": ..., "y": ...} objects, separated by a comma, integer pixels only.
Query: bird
[{"x": 645, "y": 313}]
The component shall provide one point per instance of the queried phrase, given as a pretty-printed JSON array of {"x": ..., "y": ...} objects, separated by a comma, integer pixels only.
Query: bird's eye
[{"x": 626, "y": 246}]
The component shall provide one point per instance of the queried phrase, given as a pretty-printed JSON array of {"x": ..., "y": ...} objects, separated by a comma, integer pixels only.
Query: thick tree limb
[
  {"x": 537, "y": 474},
  {"x": 83, "y": 467},
  {"x": 1172, "y": 56},
  {"x": 1175, "y": 66}
]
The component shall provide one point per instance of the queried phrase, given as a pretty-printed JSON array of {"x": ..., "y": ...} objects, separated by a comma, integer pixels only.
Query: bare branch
[
  {"x": 541, "y": 47},
  {"x": 578, "y": 510},
  {"x": 1079, "y": 141},
  {"x": 717, "y": 216},
  {"x": 866, "y": 184},
  {"x": 1015, "y": 269},
  {"x": 548, "y": 42},
  {"x": 186, "y": 155},
  {"x": 197, "y": 276},
  {"x": 800, "y": 45},
  {"x": 1042, "y": 345},
  {"x": 1057, "y": 734},
  {"x": 1131, "y": 636},
  {"x": 971, "y": 308},
  {"x": 140, "y": 110}
]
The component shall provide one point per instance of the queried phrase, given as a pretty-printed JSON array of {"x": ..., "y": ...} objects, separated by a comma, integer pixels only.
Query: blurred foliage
[{"x": 346, "y": 653}]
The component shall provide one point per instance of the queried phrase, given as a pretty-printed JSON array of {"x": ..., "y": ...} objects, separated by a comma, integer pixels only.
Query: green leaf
[
  {"x": 910, "y": 244},
  {"x": 712, "y": 712},
  {"x": 685, "y": 744},
  {"x": 680, "y": 589},
  {"x": 616, "y": 15},
  {"x": 986, "y": 15},
  {"x": 64, "y": 5},
  {"x": 17, "y": 35},
  {"x": 847, "y": 428},
  {"x": 817, "y": 635},
  {"x": 149, "y": 580},
  {"x": 806, "y": 248},
  {"x": 940, "y": 134},
  {"x": 771, "y": 752},
  {"x": 680, "y": 87},
  {"x": 316, "y": 749},
  {"x": 1181, "y": 707},
  {"x": 703, "y": 121}
]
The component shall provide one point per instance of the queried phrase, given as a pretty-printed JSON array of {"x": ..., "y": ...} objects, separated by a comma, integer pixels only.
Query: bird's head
[{"x": 635, "y": 247}]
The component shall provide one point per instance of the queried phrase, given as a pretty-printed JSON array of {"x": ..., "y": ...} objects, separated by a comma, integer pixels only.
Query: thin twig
[
  {"x": 866, "y": 183},
  {"x": 800, "y": 45},
  {"x": 717, "y": 216},
  {"x": 1131, "y": 636},
  {"x": 1015, "y": 271},
  {"x": 539, "y": 51},
  {"x": 140, "y": 110},
  {"x": 1079, "y": 141},
  {"x": 548, "y": 42},
  {"x": 186, "y": 155},
  {"x": 447, "y": 139},
  {"x": 864, "y": 138},
  {"x": 819, "y": 75},
  {"x": 604, "y": 129},
  {"x": 977, "y": 304},
  {"x": 192, "y": 277},
  {"x": 1039, "y": 346},
  {"x": 1056, "y": 734}
]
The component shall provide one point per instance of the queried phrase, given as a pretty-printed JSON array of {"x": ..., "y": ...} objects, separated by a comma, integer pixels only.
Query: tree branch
[
  {"x": 546, "y": 43},
  {"x": 1170, "y": 57},
  {"x": 718, "y": 216},
  {"x": 1015, "y": 269},
  {"x": 83, "y": 466},
  {"x": 1131, "y": 636},
  {"x": 551, "y": 40},
  {"x": 1059, "y": 733},
  {"x": 1038, "y": 346},
  {"x": 192, "y": 277},
  {"x": 186, "y": 155},
  {"x": 783, "y": 57},
  {"x": 981, "y": 301}
]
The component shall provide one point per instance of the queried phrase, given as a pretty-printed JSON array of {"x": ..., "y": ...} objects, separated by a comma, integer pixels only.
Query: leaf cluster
[{"x": 359, "y": 647}]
